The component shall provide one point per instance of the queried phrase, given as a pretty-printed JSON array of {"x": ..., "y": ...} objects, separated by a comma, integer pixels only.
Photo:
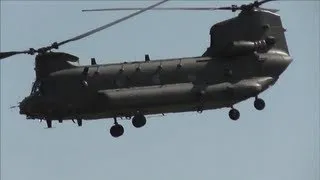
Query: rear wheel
[
  {"x": 234, "y": 114},
  {"x": 259, "y": 104}
]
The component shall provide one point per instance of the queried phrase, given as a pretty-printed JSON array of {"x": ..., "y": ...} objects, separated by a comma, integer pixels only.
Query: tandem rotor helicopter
[{"x": 246, "y": 56}]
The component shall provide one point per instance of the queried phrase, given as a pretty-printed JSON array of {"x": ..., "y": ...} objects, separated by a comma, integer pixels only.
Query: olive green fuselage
[{"x": 152, "y": 87}]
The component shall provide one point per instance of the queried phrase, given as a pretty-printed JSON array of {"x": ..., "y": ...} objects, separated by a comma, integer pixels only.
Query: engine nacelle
[{"x": 237, "y": 48}]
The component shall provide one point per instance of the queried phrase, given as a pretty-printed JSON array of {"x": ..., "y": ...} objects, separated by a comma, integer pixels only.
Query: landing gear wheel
[
  {"x": 234, "y": 114},
  {"x": 259, "y": 104},
  {"x": 139, "y": 120},
  {"x": 116, "y": 130}
]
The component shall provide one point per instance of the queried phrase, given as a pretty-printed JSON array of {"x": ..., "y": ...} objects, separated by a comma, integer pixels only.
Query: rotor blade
[
  {"x": 172, "y": 8},
  {"x": 264, "y": 1},
  {"x": 271, "y": 10},
  {"x": 184, "y": 8},
  {"x": 110, "y": 24},
  {"x": 11, "y": 53},
  {"x": 55, "y": 45}
]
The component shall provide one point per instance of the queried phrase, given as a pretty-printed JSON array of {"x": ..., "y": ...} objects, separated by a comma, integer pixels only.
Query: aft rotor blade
[
  {"x": 172, "y": 8},
  {"x": 264, "y": 1},
  {"x": 271, "y": 10},
  {"x": 177, "y": 8},
  {"x": 110, "y": 24}
]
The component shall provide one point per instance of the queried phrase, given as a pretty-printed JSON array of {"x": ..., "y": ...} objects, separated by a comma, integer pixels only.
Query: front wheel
[{"x": 116, "y": 130}]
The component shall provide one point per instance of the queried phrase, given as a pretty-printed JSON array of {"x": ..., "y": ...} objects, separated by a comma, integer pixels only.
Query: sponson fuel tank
[{"x": 183, "y": 93}]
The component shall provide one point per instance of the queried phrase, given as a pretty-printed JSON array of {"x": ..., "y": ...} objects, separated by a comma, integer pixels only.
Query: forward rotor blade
[
  {"x": 172, "y": 8},
  {"x": 56, "y": 45},
  {"x": 4, "y": 55},
  {"x": 110, "y": 24}
]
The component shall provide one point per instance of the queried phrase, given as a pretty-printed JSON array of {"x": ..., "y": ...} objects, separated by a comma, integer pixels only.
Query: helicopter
[{"x": 246, "y": 56}]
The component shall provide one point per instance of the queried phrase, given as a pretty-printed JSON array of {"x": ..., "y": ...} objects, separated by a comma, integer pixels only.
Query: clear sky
[{"x": 278, "y": 143}]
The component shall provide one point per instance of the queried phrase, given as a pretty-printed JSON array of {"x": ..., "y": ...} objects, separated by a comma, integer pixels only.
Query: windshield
[{"x": 35, "y": 90}]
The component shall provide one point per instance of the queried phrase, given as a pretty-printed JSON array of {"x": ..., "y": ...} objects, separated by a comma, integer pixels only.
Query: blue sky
[{"x": 280, "y": 142}]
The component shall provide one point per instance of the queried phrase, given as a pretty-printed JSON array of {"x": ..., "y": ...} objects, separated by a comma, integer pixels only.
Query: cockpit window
[{"x": 35, "y": 88}]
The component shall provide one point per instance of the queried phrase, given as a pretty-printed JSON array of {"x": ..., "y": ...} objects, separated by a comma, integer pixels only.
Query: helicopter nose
[{"x": 24, "y": 106}]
